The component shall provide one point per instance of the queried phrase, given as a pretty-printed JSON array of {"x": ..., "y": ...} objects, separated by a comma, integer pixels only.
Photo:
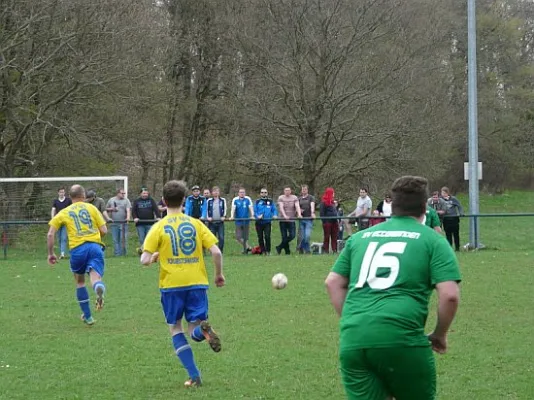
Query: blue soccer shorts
[
  {"x": 86, "y": 257},
  {"x": 191, "y": 303}
]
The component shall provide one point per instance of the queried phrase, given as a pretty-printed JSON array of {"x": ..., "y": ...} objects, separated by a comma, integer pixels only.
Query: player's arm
[
  {"x": 448, "y": 300},
  {"x": 312, "y": 206},
  {"x": 337, "y": 281},
  {"x": 50, "y": 238},
  {"x": 337, "y": 287},
  {"x": 435, "y": 222},
  {"x": 445, "y": 276},
  {"x": 216, "y": 255},
  {"x": 53, "y": 212},
  {"x": 151, "y": 246},
  {"x": 251, "y": 211},
  {"x": 55, "y": 223}
]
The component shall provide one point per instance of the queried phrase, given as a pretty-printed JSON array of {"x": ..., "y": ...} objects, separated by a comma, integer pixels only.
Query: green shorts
[{"x": 405, "y": 373}]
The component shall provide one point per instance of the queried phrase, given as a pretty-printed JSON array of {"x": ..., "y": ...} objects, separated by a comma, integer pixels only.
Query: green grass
[{"x": 277, "y": 344}]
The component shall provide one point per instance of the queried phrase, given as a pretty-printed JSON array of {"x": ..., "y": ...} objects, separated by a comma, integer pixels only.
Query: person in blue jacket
[{"x": 264, "y": 212}]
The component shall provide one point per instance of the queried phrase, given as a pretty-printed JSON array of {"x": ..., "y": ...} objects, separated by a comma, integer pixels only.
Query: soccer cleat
[
  {"x": 99, "y": 299},
  {"x": 89, "y": 321},
  {"x": 210, "y": 335},
  {"x": 193, "y": 382}
]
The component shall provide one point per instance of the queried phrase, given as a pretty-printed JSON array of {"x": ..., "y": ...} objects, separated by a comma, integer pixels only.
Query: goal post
[{"x": 26, "y": 204}]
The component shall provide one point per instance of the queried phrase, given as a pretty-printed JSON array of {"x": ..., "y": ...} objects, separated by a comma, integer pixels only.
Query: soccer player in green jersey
[
  {"x": 431, "y": 219},
  {"x": 380, "y": 286}
]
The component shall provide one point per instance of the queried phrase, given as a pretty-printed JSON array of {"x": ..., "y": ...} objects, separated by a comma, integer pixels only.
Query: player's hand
[
  {"x": 210, "y": 219},
  {"x": 439, "y": 343},
  {"x": 154, "y": 258},
  {"x": 136, "y": 220},
  {"x": 219, "y": 280},
  {"x": 52, "y": 259}
]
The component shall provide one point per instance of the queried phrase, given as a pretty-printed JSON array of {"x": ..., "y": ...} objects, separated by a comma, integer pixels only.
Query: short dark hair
[
  {"x": 435, "y": 193},
  {"x": 77, "y": 192},
  {"x": 409, "y": 195},
  {"x": 61, "y": 188},
  {"x": 174, "y": 193},
  {"x": 364, "y": 189}
]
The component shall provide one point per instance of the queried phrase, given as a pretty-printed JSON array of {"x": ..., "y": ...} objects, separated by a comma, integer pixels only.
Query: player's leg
[
  {"x": 359, "y": 381},
  {"x": 196, "y": 314},
  {"x": 173, "y": 309},
  {"x": 409, "y": 373},
  {"x": 95, "y": 267},
  {"x": 78, "y": 267},
  {"x": 82, "y": 295},
  {"x": 124, "y": 238}
]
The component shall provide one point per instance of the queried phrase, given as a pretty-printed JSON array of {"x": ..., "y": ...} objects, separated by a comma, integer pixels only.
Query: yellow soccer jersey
[
  {"x": 82, "y": 220},
  {"x": 179, "y": 239}
]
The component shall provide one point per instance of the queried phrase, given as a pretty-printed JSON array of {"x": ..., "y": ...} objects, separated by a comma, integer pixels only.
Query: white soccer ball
[{"x": 279, "y": 281}]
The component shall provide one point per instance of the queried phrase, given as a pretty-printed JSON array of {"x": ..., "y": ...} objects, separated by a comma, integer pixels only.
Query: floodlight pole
[{"x": 473, "y": 124}]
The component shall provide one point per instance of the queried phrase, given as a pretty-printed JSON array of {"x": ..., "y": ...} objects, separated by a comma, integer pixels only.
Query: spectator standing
[
  {"x": 307, "y": 208},
  {"x": 384, "y": 207},
  {"x": 328, "y": 210},
  {"x": 98, "y": 202},
  {"x": 289, "y": 210},
  {"x": 144, "y": 211},
  {"x": 438, "y": 204},
  {"x": 162, "y": 207},
  {"x": 215, "y": 214},
  {"x": 451, "y": 219},
  {"x": 194, "y": 204},
  {"x": 264, "y": 212},
  {"x": 57, "y": 205},
  {"x": 364, "y": 205},
  {"x": 243, "y": 211},
  {"x": 119, "y": 209}
]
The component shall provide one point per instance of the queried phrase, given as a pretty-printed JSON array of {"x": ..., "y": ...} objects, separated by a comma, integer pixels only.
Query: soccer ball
[{"x": 279, "y": 281}]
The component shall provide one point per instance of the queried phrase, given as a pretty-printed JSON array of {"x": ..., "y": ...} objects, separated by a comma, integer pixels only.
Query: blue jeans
[
  {"x": 305, "y": 227},
  {"x": 217, "y": 228},
  {"x": 119, "y": 233},
  {"x": 142, "y": 231},
  {"x": 62, "y": 239}
]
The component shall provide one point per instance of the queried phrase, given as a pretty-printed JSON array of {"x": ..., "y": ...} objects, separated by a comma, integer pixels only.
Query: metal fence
[{"x": 504, "y": 232}]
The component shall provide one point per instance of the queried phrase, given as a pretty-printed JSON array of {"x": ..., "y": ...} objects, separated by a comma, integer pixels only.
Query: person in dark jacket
[
  {"x": 144, "y": 211},
  {"x": 330, "y": 226},
  {"x": 451, "y": 219},
  {"x": 264, "y": 212}
]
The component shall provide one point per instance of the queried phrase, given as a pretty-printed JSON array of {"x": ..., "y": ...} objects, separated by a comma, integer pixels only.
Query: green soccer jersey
[
  {"x": 392, "y": 269},
  {"x": 432, "y": 218}
]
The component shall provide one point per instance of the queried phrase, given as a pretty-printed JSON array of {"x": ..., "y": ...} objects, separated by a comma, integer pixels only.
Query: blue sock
[
  {"x": 83, "y": 299},
  {"x": 99, "y": 284},
  {"x": 185, "y": 354},
  {"x": 197, "y": 335}
]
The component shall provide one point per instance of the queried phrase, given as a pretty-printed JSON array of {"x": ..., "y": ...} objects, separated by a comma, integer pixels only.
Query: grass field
[{"x": 276, "y": 344}]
